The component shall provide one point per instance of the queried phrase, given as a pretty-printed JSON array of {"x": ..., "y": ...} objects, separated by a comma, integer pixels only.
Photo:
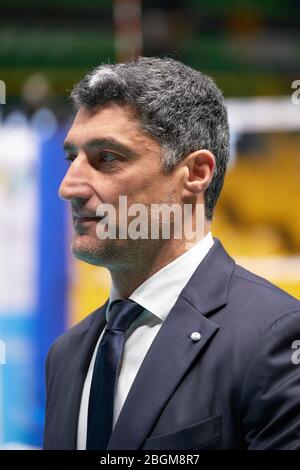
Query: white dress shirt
[{"x": 157, "y": 295}]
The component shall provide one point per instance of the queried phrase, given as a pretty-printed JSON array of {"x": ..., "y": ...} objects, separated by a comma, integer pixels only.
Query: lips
[{"x": 85, "y": 218}]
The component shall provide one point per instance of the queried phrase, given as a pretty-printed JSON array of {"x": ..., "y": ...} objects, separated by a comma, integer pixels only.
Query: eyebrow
[{"x": 99, "y": 144}]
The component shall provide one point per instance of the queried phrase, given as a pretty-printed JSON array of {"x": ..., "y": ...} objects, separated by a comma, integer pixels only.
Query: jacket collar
[{"x": 207, "y": 289}]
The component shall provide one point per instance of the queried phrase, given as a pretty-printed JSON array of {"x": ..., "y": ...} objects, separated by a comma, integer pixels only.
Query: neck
[{"x": 128, "y": 278}]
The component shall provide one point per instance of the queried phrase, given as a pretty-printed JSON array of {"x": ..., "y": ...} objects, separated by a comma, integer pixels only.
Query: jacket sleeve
[{"x": 270, "y": 406}]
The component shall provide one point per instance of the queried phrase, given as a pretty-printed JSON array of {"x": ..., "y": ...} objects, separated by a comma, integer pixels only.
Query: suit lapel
[
  {"x": 166, "y": 361},
  {"x": 173, "y": 351},
  {"x": 81, "y": 350}
]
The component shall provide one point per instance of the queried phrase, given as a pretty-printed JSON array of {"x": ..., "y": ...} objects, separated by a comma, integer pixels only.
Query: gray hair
[{"x": 180, "y": 107}]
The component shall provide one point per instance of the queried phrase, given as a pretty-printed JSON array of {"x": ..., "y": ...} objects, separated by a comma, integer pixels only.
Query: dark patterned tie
[{"x": 101, "y": 401}]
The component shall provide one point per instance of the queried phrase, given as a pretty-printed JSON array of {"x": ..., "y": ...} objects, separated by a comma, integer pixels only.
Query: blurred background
[{"x": 252, "y": 50}]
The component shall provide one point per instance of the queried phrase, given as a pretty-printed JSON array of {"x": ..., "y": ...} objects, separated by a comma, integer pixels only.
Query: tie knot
[{"x": 122, "y": 313}]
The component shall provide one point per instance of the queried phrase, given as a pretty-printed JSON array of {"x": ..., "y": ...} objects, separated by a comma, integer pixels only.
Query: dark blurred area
[{"x": 250, "y": 48}]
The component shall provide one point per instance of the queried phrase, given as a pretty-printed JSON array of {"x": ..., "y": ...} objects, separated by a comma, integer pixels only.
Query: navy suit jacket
[{"x": 238, "y": 387}]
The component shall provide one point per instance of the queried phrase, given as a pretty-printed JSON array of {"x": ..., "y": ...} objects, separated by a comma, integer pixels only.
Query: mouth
[
  {"x": 86, "y": 219},
  {"x": 78, "y": 219}
]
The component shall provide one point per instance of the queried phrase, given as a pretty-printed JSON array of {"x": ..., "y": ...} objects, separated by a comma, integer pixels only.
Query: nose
[{"x": 76, "y": 182}]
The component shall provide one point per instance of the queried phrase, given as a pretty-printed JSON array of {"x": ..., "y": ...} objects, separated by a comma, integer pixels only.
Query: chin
[
  {"x": 97, "y": 252},
  {"x": 87, "y": 249}
]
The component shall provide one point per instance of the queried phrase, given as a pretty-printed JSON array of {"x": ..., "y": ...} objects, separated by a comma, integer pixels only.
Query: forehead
[{"x": 110, "y": 120}]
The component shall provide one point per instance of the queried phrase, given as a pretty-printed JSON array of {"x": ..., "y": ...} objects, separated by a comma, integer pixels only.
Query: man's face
[{"x": 110, "y": 156}]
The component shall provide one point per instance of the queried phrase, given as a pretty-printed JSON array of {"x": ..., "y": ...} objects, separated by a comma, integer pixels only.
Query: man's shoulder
[
  {"x": 257, "y": 313},
  {"x": 261, "y": 294},
  {"x": 262, "y": 284},
  {"x": 247, "y": 288}
]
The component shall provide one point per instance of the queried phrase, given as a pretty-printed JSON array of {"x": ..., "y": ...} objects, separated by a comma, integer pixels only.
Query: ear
[{"x": 199, "y": 168}]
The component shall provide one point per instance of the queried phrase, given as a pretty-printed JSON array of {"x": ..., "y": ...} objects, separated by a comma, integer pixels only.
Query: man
[{"x": 207, "y": 361}]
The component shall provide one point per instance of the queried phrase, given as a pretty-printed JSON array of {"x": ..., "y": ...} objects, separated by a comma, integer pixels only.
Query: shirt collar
[{"x": 159, "y": 293}]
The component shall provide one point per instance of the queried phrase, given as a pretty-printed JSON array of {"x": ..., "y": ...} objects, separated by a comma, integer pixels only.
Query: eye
[
  {"x": 108, "y": 157},
  {"x": 105, "y": 157}
]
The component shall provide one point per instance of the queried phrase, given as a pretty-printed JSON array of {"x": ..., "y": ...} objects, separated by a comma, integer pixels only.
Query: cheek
[
  {"x": 107, "y": 191},
  {"x": 139, "y": 186}
]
